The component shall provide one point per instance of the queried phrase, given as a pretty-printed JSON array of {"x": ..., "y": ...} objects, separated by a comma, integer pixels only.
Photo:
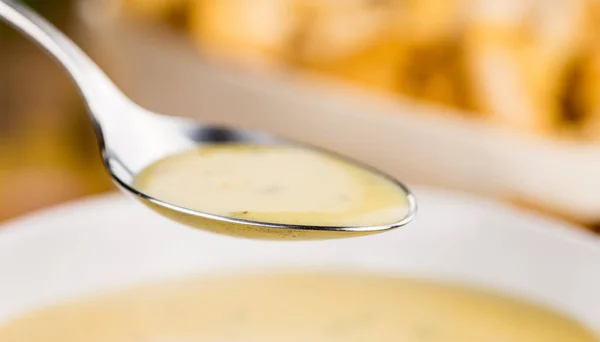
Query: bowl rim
[{"x": 552, "y": 227}]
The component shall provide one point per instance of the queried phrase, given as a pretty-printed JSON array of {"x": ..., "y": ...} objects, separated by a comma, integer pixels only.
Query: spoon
[{"x": 131, "y": 138}]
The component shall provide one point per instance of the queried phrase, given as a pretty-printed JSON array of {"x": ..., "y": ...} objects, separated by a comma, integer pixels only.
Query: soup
[
  {"x": 275, "y": 184},
  {"x": 297, "y": 307}
]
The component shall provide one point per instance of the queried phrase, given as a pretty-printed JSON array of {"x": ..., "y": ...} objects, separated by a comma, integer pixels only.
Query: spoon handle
[{"x": 97, "y": 89}]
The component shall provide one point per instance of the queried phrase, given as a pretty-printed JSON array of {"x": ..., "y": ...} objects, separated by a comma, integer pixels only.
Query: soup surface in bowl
[{"x": 297, "y": 307}]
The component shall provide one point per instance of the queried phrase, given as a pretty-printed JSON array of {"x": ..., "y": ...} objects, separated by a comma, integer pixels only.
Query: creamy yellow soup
[
  {"x": 275, "y": 184},
  {"x": 297, "y": 308}
]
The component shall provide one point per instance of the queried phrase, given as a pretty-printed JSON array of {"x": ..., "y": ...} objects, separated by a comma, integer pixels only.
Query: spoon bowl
[
  {"x": 131, "y": 138},
  {"x": 183, "y": 135}
]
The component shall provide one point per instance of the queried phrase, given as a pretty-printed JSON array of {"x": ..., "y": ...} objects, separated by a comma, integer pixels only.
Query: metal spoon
[{"x": 131, "y": 138}]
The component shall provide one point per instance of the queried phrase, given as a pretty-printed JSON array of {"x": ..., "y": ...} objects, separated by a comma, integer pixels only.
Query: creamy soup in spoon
[
  {"x": 297, "y": 308},
  {"x": 275, "y": 184}
]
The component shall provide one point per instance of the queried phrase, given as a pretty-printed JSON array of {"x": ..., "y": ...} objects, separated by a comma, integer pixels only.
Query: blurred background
[
  {"x": 47, "y": 151},
  {"x": 495, "y": 98}
]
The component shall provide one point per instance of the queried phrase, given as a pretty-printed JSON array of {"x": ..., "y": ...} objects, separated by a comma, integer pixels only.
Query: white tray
[{"x": 417, "y": 143}]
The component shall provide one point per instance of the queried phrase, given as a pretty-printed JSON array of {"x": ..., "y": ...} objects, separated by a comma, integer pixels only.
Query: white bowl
[{"x": 108, "y": 242}]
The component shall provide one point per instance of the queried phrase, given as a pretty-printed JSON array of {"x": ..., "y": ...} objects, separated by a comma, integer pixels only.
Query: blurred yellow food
[
  {"x": 375, "y": 67},
  {"x": 162, "y": 9},
  {"x": 531, "y": 65},
  {"x": 429, "y": 21},
  {"x": 589, "y": 96},
  {"x": 330, "y": 31},
  {"x": 519, "y": 54},
  {"x": 254, "y": 32}
]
